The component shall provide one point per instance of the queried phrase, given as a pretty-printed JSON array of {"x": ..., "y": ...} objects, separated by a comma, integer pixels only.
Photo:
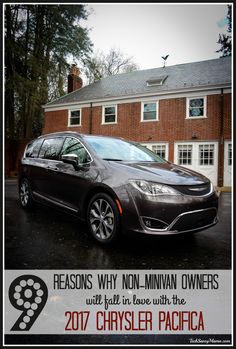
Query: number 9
[{"x": 29, "y": 294}]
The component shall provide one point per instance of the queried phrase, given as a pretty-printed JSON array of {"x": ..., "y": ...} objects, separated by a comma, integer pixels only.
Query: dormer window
[{"x": 156, "y": 81}]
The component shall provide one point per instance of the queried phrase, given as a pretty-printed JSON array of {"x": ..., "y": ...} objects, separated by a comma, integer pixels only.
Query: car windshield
[{"x": 114, "y": 149}]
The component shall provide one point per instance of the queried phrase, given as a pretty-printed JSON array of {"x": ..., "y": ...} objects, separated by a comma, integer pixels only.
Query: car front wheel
[
  {"x": 103, "y": 218},
  {"x": 25, "y": 194}
]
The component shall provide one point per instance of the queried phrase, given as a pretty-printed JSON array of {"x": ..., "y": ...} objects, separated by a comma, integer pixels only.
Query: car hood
[{"x": 166, "y": 173}]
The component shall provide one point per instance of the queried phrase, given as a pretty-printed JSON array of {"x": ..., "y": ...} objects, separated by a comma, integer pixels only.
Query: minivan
[{"x": 115, "y": 186}]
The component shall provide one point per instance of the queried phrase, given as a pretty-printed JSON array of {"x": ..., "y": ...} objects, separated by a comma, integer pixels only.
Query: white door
[
  {"x": 201, "y": 157},
  {"x": 228, "y": 164},
  {"x": 161, "y": 149}
]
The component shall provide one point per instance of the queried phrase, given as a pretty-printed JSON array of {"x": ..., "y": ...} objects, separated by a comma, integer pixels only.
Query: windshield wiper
[{"x": 110, "y": 159}]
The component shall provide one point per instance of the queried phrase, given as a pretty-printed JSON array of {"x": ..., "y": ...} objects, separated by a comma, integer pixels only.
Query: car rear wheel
[
  {"x": 25, "y": 194},
  {"x": 103, "y": 218}
]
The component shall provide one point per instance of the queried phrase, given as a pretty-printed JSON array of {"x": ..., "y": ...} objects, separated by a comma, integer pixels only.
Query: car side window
[
  {"x": 51, "y": 148},
  {"x": 73, "y": 146},
  {"x": 33, "y": 148}
]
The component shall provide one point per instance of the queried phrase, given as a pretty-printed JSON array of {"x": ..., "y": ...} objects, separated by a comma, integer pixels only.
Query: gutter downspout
[
  {"x": 90, "y": 117},
  {"x": 221, "y": 140}
]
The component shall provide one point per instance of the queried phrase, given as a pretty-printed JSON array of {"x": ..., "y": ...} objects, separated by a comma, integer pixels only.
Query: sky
[{"x": 145, "y": 32}]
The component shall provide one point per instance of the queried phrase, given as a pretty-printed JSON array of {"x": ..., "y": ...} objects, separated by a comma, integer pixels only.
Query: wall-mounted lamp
[{"x": 194, "y": 135}]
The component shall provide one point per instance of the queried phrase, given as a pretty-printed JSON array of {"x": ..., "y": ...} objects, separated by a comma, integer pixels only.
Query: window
[
  {"x": 230, "y": 154},
  {"x": 149, "y": 111},
  {"x": 73, "y": 146},
  {"x": 196, "y": 107},
  {"x": 109, "y": 114},
  {"x": 156, "y": 81},
  {"x": 33, "y": 148},
  {"x": 74, "y": 118},
  {"x": 51, "y": 148},
  {"x": 160, "y": 150},
  {"x": 206, "y": 154},
  {"x": 184, "y": 154}
]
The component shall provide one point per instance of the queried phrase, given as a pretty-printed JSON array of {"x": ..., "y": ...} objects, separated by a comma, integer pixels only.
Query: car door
[
  {"x": 31, "y": 165},
  {"x": 44, "y": 184},
  {"x": 71, "y": 184}
]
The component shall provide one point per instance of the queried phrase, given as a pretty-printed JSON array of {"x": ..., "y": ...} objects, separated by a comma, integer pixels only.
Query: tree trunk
[
  {"x": 25, "y": 96},
  {"x": 36, "y": 69}
]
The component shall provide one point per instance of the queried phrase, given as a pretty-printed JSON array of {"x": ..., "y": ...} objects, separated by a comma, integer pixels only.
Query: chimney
[{"x": 74, "y": 80}]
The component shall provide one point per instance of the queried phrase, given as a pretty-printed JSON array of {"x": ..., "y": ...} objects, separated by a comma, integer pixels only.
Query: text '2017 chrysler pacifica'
[{"x": 115, "y": 185}]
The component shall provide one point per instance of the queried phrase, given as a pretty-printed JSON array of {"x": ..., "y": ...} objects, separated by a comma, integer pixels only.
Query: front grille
[
  {"x": 195, "y": 220},
  {"x": 195, "y": 190}
]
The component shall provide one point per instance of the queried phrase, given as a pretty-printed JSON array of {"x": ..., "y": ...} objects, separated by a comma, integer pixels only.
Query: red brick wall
[
  {"x": 172, "y": 125},
  {"x": 74, "y": 83}
]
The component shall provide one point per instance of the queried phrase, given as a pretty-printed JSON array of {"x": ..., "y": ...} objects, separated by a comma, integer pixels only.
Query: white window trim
[
  {"x": 69, "y": 116},
  {"x": 150, "y": 144},
  {"x": 195, "y": 160},
  {"x": 176, "y": 155},
  {"x": 157, "y": 110},
  {"x": 199, "y": 158},
  {"x": 204, "y": 108},
  {"x": 103, "y": 114}
]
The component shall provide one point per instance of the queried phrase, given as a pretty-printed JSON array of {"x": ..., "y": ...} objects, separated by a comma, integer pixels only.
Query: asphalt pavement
[{"x": 46, "y": 239}]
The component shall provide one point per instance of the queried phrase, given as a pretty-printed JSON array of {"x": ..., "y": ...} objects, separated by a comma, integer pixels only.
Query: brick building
[{"x": 181, "y": 112}]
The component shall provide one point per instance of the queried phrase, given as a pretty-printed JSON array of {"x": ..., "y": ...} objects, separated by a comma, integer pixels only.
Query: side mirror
[{"x": 71, "y": 159}]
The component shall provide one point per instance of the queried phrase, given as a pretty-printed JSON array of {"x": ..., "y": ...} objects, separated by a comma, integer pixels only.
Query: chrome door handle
[{"x": 52, "y": 168}]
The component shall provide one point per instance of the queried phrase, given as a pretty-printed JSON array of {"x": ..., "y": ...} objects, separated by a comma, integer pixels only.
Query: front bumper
[
  {"x": 185, "y": 222},
  {"x": 167, "y": 215}
]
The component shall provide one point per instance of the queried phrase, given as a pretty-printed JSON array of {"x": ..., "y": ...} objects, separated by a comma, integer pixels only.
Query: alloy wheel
[
  {"x": 24, "y": 192},
  {"x": 101, "y": 219}
]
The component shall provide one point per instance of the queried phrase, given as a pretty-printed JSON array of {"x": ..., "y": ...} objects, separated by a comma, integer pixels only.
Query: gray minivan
[{"x": 115, "y": 185}]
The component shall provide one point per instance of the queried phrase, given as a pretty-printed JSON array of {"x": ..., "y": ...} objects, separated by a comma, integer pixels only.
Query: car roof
[
  {"x": 61, "y": 133},
  {"x": 70, "y": 133}
]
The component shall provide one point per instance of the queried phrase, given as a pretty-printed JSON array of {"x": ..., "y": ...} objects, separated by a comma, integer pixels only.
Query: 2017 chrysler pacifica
[{"x": 115, "y": 185}]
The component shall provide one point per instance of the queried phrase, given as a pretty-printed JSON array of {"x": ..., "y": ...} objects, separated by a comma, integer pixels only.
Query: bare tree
[{"x": 101, "y": 65}]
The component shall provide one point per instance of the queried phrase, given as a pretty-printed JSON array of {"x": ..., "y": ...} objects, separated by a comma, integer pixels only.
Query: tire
[
  {"x": 103, "y": 219},
  {"x": 25, "y": 195}
]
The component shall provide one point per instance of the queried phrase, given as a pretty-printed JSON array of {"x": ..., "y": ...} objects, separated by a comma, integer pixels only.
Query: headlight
[{"x": 150, "y": 188}]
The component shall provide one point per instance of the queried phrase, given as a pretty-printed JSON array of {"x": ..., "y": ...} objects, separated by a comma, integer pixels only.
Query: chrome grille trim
[
  {"x": 196, "y": 189},
  {"x": 168, "y": 230}
]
